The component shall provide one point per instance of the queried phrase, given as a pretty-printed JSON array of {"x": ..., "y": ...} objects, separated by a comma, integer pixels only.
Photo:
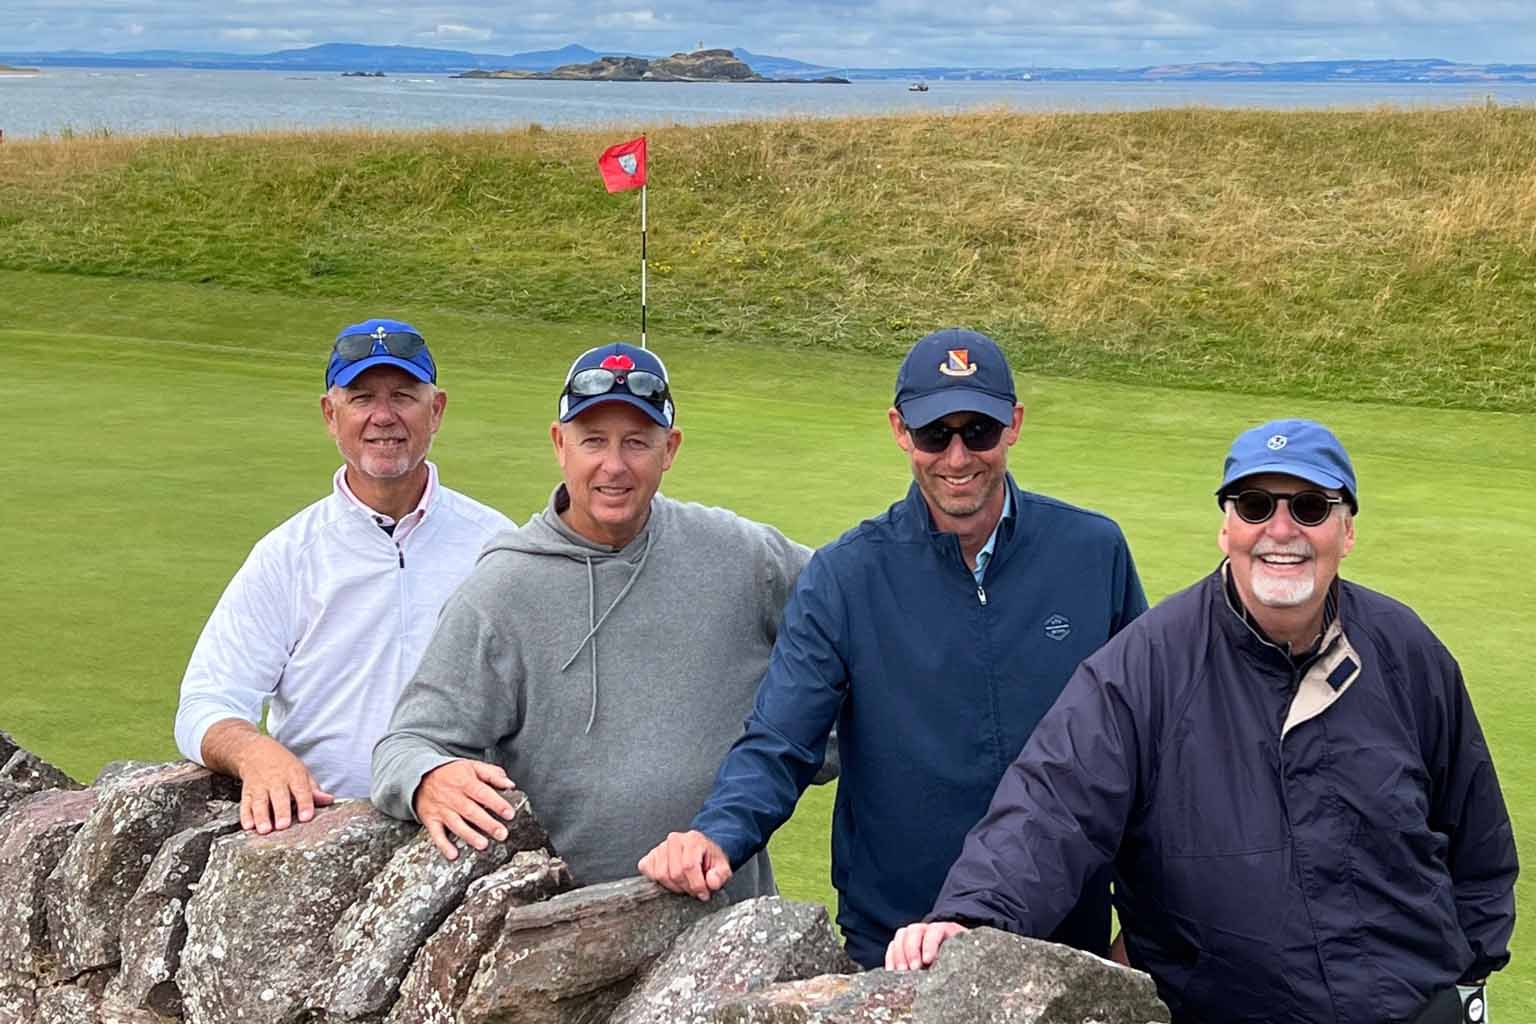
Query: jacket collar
[
  {"x": 916, "y": 521},
  {"x": 1246, "y": 634},
  {"x": 407, "y": 524}
]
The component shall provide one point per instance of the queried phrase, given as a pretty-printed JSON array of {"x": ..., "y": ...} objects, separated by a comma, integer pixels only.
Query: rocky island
[
  {"x": 699, "y": 66},
  {"x": 6, "y": 69}
]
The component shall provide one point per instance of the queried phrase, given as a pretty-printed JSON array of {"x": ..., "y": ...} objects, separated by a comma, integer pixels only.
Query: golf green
[{"x": 157, "y": 430}]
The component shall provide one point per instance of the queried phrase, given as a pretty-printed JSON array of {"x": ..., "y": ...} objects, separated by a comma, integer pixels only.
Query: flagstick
[{"x": 642, "y": 266}]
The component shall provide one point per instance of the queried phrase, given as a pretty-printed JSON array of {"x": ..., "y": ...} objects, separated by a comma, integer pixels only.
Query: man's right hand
[
  {"x": 460, "y": 797},
  {"x": 689, "y": 862},
  {"x": 274, "y": 784}
]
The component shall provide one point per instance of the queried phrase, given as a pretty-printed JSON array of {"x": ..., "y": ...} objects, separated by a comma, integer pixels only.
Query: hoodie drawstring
[{"x": 593, "y": 627}]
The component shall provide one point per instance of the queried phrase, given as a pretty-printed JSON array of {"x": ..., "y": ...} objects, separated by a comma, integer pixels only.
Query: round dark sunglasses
[
  {"x": 641, "y": 383},
  {"x": 979, "y": 434},
  {"x": 400, "y": 344},
  {"x": 1308, "y": 508}
]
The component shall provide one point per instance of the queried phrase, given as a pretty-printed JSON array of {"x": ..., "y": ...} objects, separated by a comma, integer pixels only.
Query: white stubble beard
[{"x": 1282, "y": 592}]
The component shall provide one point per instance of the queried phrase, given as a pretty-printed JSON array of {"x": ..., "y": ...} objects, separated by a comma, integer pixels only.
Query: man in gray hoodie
[{"x": 606, "y": 652}]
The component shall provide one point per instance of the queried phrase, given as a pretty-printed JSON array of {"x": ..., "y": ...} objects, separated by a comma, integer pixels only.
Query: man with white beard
[{"x": 1286, "y": 773}]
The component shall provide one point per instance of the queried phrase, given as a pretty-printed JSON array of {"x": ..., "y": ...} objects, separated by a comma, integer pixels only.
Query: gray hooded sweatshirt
[{"x": 608, "y": 684}]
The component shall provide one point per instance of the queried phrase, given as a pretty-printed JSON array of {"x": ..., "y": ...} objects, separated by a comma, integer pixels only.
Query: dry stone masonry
[{"x": 139, "y": 900}]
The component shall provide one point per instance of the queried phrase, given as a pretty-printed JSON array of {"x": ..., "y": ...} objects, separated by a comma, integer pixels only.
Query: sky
[{"x": 861, "y": 33}]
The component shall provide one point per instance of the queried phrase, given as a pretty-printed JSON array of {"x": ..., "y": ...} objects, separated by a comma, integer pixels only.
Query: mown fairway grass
[
  {"x": 165, "y": 306},
  {"x": 159, "y": 429}
]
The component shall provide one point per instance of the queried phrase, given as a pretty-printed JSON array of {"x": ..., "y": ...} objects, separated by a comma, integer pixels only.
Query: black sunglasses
[
  {"x": 400, "y": 344},
  {"x": 642, "y": 384},
  {"x": 1308, "y": 508},
  {"x": 979, "y": 434}
]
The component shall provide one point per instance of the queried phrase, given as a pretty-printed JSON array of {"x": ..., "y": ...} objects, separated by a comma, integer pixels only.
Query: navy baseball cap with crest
[
  {"x": 618, "y": 372},
  {"x": 954, "y": 370},
  {"x": 379, "y": 342},
  {"x": 1304, "y": 449}
]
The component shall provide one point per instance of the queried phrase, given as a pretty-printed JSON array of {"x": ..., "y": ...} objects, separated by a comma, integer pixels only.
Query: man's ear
[
  {"x": 1011, "y": 434},
  {"x": 439, "y": 403},
  {"x": 899, "y": 430},
  {"x": 328, "y": 413},
  {"x": 557, "y": 438},
  {"x": 674, "y": 442}
]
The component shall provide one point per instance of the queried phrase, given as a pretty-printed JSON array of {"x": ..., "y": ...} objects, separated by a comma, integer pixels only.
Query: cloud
[
  {"x": 460, "y": 33},
  {"x": 266, "y": 35},
  {"x": 997, "y": 33},
  {"x": 628, "y": 19}
]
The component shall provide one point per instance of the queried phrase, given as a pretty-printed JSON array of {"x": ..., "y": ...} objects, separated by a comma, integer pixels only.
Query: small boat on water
[{"x": 918, "y": 87}]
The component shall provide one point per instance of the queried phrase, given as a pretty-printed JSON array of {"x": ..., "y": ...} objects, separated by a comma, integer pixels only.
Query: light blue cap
[{"x": 1301, "y": 448}]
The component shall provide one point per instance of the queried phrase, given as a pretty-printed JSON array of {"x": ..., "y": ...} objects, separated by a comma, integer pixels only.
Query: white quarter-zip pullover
[{"x": 326, "y": 621}]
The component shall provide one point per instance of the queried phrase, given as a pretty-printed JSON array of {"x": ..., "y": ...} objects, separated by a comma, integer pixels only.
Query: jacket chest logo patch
[{"x": 1058, "y": 627}]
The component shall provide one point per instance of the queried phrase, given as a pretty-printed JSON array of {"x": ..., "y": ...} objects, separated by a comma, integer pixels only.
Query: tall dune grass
[{"x": 1382, "y": 255}]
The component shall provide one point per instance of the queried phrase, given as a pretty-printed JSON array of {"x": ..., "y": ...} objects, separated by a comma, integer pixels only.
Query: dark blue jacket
[
  {"x": 1341, "y": 872},
  {"x": 934, "y": 684}
]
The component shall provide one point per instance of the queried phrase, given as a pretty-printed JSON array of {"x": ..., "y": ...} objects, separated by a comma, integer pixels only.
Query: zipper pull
[
  {"x": 981, "y": 594},
  {"x": 401, "y": 550}
]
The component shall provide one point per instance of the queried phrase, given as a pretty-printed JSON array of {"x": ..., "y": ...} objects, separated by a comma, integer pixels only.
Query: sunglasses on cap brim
[
  {"x": 643, "y": 384},
  {"x": 978, "y": 434},
  {"x": 1308, "y": 508},
  {"x": 400, "y": 344}
]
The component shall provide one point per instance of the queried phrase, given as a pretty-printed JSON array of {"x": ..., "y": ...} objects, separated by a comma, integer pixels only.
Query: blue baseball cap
[
  {"x": 954, "y": 370},
  {"x": 1301, "y": 448},
  {"x": 620, "y": 360},
  {"x": 394, "y": 343}
]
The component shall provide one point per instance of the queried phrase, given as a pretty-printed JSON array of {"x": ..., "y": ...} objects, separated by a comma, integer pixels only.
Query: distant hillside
[
  {"x": 325, "y": 57},
  {"x": 360, "y": 57},
  {"x": 699, "y": 66},
  {"x": 778, "y": 67}
]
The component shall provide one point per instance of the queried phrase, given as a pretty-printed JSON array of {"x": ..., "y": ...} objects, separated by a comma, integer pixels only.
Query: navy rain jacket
[
  {"x": 934, "y": 684},
  {"x": 1291, "y": 846}
]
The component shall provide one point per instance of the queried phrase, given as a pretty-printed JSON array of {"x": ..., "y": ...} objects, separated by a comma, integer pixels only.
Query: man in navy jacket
[
  {"x": 1286, "y": 772},
  {"x": 934, "y": 637}
]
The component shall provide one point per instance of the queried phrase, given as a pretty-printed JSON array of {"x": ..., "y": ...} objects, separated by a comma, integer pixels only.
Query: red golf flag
[{"x": 623, "y": 166}]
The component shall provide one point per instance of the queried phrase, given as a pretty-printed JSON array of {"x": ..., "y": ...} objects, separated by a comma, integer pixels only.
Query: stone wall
[{"x": 139, "y": 900}]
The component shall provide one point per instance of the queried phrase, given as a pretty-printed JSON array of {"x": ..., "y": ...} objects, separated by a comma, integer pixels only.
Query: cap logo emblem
[
  {"x": 379, "y": 333},
  {"x": 958, "y": 363},
  {"x": 618, "y": 361},
  {"x": 1058, "y": 627},
  {"x": 1277, "y": 442}
]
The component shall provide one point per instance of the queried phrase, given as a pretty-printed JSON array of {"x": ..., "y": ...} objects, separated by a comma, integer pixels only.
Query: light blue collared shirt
[{"x": 985, "y": 554}]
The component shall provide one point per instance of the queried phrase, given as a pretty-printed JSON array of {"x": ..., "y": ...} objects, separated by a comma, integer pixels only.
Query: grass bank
[
  {"x": 164, "y": 427},
  {"x": 1382, "y": 255}
]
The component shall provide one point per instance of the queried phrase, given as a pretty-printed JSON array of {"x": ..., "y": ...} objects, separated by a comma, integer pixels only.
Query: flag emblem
[
  {"x": 618, "y": 361},
  {"x": 623, "y": 166},
  {"x": 958, "y": 363}
]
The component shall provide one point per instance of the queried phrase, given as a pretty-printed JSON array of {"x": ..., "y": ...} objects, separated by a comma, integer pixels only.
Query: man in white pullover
[{"x": 325, "y": 622}]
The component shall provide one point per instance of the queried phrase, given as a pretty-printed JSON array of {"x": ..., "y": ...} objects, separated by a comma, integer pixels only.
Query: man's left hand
[
  {"x": 689, "y": 862},
  {"x": 917, "y": 945}
]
